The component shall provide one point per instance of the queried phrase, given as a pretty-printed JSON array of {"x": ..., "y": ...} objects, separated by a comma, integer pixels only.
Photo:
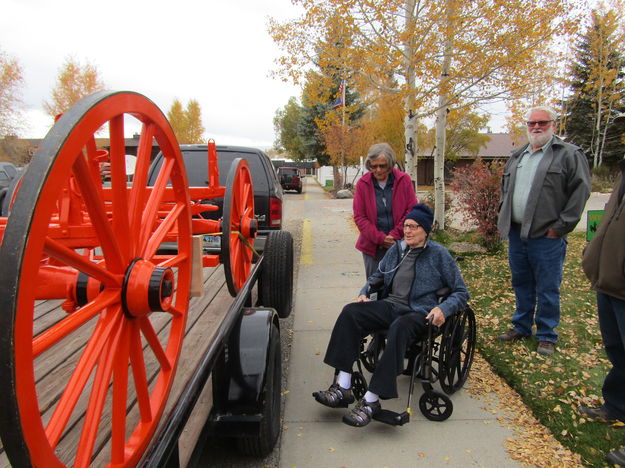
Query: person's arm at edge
[{"x": 459, "y": 295}]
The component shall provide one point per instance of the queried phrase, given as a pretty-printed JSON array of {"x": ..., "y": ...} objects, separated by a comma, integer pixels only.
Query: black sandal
[
  {"x": 334, "y": 397},
  {"x": 362, "y": 413}
]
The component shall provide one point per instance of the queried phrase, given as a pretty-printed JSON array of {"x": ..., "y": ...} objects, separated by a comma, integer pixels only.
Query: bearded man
[{"x": 544, "y": 190}]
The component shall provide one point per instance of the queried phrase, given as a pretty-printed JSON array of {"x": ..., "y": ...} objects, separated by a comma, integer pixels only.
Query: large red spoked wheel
[
  {"x": 87, "y": 383},
  {"x": 239, "y": 226}
]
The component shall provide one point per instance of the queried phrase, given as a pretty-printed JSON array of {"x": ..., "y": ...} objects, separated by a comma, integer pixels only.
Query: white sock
[
  {"x": 371, "y": 397},
  {"x": 345, "y": 380}
]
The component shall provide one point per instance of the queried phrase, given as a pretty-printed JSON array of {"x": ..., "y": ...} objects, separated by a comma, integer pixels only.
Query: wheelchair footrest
[{"x": 391, "y": 417}]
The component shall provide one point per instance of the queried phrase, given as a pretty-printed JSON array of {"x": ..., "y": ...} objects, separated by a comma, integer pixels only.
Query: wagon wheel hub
[
  {"x": 249, "y": 227},
  {"x": 147, "y": 288}
]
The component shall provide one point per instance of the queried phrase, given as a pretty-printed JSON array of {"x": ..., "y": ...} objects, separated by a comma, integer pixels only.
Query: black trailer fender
[{"x": 241, "y": 376}]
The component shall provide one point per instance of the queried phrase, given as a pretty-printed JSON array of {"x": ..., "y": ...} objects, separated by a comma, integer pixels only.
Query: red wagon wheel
[
  {"x": 239, "y": 226},
  {"x": 88, "y": 383}
]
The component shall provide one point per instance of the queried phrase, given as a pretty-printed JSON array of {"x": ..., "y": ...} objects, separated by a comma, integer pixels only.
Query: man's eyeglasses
[
  {"x": 378, "y": 166},
  {"x": 411, "y": 227},
  {"x": 540, "y": 123}
]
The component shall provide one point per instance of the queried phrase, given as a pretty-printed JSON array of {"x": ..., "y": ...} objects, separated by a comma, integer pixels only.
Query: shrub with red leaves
[{"x": 477, "y": 193}]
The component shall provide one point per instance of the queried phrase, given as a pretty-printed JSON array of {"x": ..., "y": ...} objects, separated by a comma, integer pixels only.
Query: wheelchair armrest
[
  {"x": 375, "y": 288},
  {"x": 443, "y": 293}
]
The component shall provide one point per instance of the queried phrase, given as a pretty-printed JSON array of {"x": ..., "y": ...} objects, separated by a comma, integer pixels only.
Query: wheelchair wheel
[
  {"x": 435, "y": 406},
  {"x": 371, "y": 350},
  {"x": 457, "y": 350},
  {"x": 359, "y": 385}
]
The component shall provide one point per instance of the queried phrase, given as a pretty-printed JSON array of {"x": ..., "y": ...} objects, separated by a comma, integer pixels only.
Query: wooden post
[{"x": 197, "y": 270}]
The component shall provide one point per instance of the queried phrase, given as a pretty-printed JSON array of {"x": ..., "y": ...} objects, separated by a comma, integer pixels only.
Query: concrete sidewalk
[{"x": 330, "y": 275}]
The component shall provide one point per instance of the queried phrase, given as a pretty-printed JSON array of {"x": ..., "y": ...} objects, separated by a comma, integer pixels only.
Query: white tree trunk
[
  {"x": 410, "y": 121},
  {"x": 410, "y": 133},
  {"x": 596, "y": 137},
  {"x": 439, "y": 164},
  {"x": 441, "y": 125}
]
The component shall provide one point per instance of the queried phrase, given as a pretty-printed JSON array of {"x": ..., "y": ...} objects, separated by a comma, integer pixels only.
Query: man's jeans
[
  {"x": 612, "y": 324},
  {"x": 536, "y": 267}
]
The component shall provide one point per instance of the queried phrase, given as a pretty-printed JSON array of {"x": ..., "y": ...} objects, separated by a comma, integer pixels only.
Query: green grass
[
  {"x": 451, "y": 235},
  {"x": 552, "y": 387}
]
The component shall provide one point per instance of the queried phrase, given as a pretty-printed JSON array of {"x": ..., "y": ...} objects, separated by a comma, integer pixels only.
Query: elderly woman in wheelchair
[{"x": 413, "y": 271}]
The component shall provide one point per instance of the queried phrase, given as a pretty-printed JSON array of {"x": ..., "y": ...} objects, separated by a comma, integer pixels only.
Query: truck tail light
[{"x": 275, "y": 212}]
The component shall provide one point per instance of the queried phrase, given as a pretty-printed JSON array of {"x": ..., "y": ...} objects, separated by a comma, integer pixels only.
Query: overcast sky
[{"x": 215, "y": 51}]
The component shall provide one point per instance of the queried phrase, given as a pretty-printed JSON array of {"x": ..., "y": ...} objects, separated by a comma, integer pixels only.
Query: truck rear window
[{"x": 197, "y": 172}]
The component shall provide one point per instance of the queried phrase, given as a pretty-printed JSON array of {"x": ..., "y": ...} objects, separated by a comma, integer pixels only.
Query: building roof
[{"x": 500, "y": 145}]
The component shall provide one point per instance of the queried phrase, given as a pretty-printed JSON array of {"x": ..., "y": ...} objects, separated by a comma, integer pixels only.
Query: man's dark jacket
[
  {"x": 604, "y": 256},
  {"x": 559, "y": 191}
]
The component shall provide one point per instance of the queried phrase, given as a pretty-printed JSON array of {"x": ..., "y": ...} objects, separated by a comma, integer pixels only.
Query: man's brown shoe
[
  {"x": 617, "y": 457},
  {"x": 511, "y": 335},
  {"x": 598, "y": 413},
  {"x": 546, "y": 348}
]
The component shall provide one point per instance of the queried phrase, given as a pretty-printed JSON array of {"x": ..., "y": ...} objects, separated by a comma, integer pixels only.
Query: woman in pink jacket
[{"x": 383, "y": 198}]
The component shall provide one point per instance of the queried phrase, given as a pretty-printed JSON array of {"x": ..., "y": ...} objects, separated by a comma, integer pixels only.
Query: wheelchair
[{"x": 444, "y": 355}]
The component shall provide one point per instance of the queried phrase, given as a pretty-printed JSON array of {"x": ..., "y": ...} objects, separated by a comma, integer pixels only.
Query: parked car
[
  {"x": 290, "y": 178},
  {"x": 8, "y": 178},
  {"x": 267, "y": 190}
]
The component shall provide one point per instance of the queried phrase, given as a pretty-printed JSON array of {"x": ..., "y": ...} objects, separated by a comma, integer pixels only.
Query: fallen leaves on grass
[
  {"x": 533, "y": 444},
  {"x": 552, "y": 387}
]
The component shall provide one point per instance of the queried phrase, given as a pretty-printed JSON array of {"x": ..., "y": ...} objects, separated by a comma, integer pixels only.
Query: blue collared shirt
[{"x": 525, "y": 172}]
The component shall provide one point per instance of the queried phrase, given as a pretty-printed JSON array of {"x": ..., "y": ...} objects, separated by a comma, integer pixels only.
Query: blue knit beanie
[{"x": 423, "y": 215}]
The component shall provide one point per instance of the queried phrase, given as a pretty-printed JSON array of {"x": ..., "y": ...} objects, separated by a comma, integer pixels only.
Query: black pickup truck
[{"x": 267, "y": 190}]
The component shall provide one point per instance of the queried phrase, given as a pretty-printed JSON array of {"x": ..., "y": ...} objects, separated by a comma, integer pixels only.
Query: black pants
[{"x": 358, "y": 320}]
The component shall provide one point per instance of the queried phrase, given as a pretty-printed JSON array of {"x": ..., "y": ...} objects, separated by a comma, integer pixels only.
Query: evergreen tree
[
  {"x": 598, "y": 91},
  {"x": 308, "y": 130}
]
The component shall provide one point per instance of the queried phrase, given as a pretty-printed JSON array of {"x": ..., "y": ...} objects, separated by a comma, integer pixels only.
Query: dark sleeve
[{"x": 578, "y": 191}]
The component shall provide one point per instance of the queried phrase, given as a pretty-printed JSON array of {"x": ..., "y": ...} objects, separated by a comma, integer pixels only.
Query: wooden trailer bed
[{"x": 53, "y": 368}]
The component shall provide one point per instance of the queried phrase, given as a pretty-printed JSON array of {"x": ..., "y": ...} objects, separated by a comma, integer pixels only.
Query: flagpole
[{"x": 344, "y": 85}]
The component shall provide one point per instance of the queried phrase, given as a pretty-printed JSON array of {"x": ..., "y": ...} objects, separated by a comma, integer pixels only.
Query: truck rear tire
[
  {"x": 262, "y": 444},
  {"x": 276, "y": 277}
]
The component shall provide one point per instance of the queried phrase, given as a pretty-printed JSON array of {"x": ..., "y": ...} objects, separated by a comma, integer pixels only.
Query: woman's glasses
[{"x": 373, "y": 167}]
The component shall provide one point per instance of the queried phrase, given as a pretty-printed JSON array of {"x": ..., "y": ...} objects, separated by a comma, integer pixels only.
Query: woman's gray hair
[
  {"x": 380, "y": 150},
  {"x": 552, "y": 114}
]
